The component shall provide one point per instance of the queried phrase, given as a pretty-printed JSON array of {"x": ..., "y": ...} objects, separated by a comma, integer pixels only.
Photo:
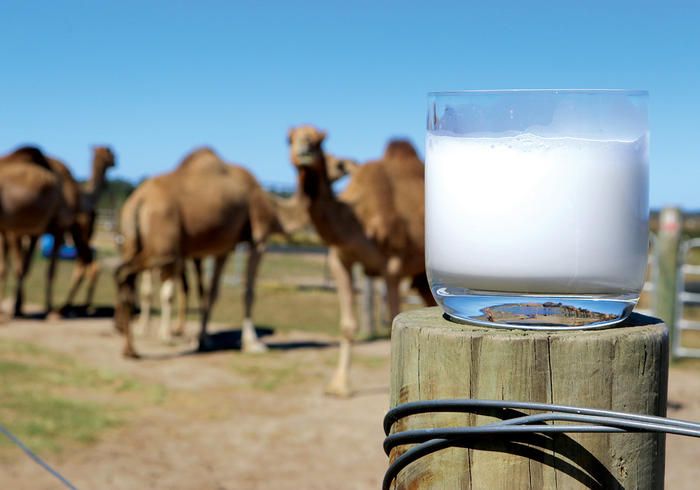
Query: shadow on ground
[
  {"x": 83, "y": 311},
  {"x": 231, "y": 340}
]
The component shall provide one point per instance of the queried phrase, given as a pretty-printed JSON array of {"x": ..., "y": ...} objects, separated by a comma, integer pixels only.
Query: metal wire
[
  {"x": 36, "y": 458},
  {"x": 431, "y": 440}
]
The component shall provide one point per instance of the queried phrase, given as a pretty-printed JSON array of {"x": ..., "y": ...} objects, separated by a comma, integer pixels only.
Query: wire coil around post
[{"x": 588, "y": 420}]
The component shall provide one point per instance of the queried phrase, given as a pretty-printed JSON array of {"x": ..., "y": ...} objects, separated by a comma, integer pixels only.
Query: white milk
[{"x": 528, "y": 214}]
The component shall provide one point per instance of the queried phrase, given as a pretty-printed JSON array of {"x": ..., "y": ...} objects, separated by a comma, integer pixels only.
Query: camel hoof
[
  {"x": 337, "y": 389},
  {"x": 53, "y": 316},
  {"x": 205, "y": 344},
  {"x": 256, "y": 347},
  {"x": 179, "y": 332},
  {"x": 131, "y": 354}
]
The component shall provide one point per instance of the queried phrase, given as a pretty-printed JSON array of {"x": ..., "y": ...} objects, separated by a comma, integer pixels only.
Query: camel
[
  {"x": 31, "y": 200},
  {"x": 292, "y": 216},
  {"x": 76, "y": 216},
  {"x": 202, "y": 208},
  {"x": 377, "y": 221},
  {"x": 102, "y": 160}
]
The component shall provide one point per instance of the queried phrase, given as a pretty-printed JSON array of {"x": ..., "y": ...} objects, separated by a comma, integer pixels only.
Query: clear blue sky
[{"x": 155, "y": 79}]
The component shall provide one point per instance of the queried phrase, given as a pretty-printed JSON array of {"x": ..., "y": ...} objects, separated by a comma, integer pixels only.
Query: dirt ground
[{"x": 234, "y": 421}]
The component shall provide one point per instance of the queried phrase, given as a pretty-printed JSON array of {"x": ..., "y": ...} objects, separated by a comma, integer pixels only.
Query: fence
[{"x": 673, "y": 281}]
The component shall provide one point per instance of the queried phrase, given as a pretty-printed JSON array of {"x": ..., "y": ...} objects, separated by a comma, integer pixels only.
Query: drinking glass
[{"x": 537, "y": 206}]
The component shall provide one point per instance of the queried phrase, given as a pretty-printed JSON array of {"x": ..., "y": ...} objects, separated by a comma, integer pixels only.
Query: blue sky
[{"x": 154, "y": 79}]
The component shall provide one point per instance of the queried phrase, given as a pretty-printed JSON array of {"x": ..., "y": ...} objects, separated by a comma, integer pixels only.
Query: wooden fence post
[
  {"x": 623, "y": 368},
  {"x": 667, "y": 245}
]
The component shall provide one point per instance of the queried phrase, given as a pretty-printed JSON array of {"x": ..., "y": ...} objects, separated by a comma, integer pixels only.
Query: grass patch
[
  {"x": 271, "y": 371},
  {"x": 51, "y": 402}
]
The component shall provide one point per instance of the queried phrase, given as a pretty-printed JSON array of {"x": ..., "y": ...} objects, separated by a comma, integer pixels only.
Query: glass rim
[{"x": 544, "y": 91}]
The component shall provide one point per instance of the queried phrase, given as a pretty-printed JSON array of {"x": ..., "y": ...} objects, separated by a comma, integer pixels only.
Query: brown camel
[
  {"x": 31, "y": 200},
  {"x": 292, "y": 216},
  {"x": 102, "y": 160},
  {"x": 76, "y": 215},
  {"x": 202, "y": 208},
  {"x": 376, "y": 221}
]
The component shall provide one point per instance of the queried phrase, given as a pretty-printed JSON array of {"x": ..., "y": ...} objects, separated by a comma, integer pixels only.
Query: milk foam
[{"x": 537, "y": 215}]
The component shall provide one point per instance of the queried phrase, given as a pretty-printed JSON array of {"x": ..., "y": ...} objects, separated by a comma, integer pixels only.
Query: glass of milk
[{"x": 537, "y": 206}]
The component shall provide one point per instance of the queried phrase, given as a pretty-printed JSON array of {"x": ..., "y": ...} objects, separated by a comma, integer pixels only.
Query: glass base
[{"x": 534, "y": 311}]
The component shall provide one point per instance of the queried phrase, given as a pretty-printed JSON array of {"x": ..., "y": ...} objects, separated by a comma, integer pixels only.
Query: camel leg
[
  {"x": 75, "y": 282},
  {"x": 4, "y": 260},
  {"x": 208, "y": 304},
  {"x": 93, "y": 272},
  {"x": 167, "y": 297},
  {"x": 145, "y": 302},
  {"x": 51, "y": 275},
  {"x": 249, "y": 338},
  {"x": 342, "y": 274},
  {"x": 393, "y": 297},
  {"x": 200, "y": 280},
  {"x": 15, "y": 248},
  {"x": 182, "y": 304},
  {"x": 126, "y": 287},
  {"x": 125, "y": 277},
  {"x": 23, "y": 261}
]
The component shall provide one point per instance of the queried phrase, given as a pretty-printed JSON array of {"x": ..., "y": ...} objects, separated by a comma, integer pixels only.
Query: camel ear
[
  {"x": 290, "y": 134},
  {"x": 321, "y": 135}
]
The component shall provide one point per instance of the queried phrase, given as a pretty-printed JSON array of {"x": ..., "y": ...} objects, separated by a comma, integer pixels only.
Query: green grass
[{"x": 51, "y": 402}]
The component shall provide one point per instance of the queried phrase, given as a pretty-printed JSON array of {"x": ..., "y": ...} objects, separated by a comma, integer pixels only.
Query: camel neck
[
  {"x": 314, "y": 183},
  {"x": 292, "y": 212},
  {"x": 325, "y": 211},
  {"x": 94, "y": 186}
]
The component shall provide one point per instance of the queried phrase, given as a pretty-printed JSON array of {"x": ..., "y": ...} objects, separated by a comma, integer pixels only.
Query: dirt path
[
  {"x": 233, "y": 421},
  {"x": 217, "y": 431}
]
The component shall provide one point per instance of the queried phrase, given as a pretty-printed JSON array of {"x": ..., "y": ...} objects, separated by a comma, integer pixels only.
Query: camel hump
[
  {"x": 399, "y": 148},
  {"x": 372, "y": 194},
  {"x": 204, "y": 158},
  {"x": 29, "y": 154}
]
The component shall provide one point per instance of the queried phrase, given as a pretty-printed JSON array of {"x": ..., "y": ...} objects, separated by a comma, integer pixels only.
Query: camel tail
[
  {"x": 134, "y": 260},
  {"x": 129, "y": 239}
]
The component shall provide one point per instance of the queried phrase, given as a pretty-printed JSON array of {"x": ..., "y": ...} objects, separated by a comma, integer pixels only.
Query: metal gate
[{"x": 688, "y": 294}]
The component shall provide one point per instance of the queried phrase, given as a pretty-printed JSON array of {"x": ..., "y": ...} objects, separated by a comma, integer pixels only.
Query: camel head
[
  {"x": 305, "y": 146},
  {"x": 103, "y": 158},
  {"x": 337, "y": 167}
]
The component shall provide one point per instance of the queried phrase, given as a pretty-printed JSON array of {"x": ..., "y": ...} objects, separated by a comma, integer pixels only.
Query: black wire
[
  {"x": 432, "y": 439},
  {"x": 467, "y": 405},
  {"x": 36, "y": 458},
  {"x": 516, "y": 425}
]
